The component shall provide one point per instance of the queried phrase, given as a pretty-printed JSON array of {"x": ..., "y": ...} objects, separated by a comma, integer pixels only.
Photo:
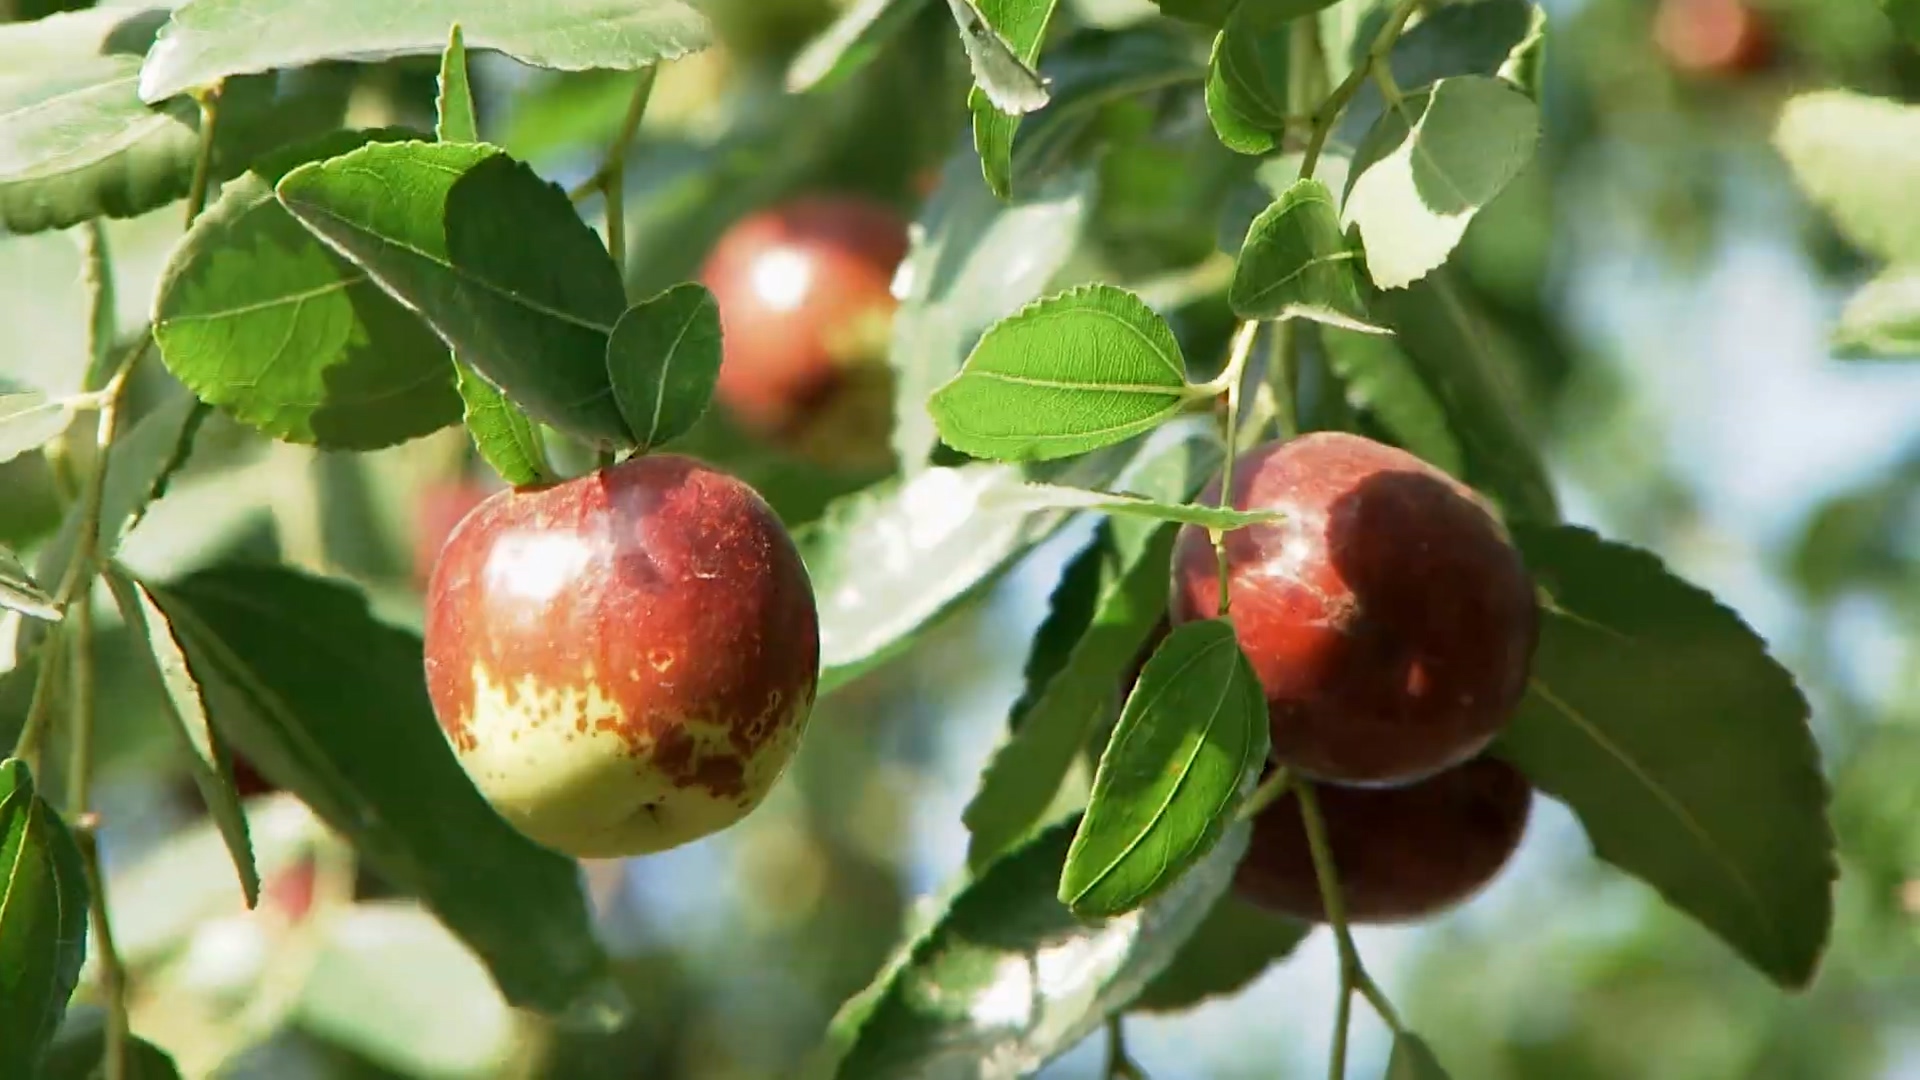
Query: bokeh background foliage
[{"x": 1683, "y": 314}]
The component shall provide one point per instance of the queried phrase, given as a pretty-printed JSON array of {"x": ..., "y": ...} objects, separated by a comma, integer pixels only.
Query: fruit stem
[
  {"x": 613, "y": 172},
  {"x": 1353, "y": 974},
  {"x": 209, "y": 102},
  {"x": 1119, "y": 1065},
  {"x": 1342, "y": 1023},
  {"x": 1329, "y": 111},
  {"x": 1231, "y": 379},
  {"x": 1263, "y": 796}
]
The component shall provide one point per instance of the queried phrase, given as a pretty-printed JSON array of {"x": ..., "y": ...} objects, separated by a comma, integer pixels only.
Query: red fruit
[
  {"x": 623, "y": 662},
  {"x": 1389, "y": 619},
  {"x": 1713, "y": 37},
  {"x": 248, "y": 782},
  {"x": 1400, "y": 853},
  {"x": 806, "y": 308},
  {"x": 442, "y": 506}
]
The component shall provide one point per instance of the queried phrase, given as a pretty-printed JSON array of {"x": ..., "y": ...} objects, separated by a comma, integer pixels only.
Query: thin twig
[
  {"x": 209, "y": 101},
  {"x": 1119, "y": 1065},
  {"x": 1231, "y": 379},
  {"x": 1329, "y": 111},
  {"x": 113, "y": 976},
  {"x": 1284, "y": 351},
  {"x": 1342, "y": 1024}
]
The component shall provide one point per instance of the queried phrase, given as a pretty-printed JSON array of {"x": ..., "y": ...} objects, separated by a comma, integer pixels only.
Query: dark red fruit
[
  {"x": 1713, "y": 37},
  {"x": 1400, "y": 853},
  {"x": 623, "y": 662},
  {"x": 806, "y": 309},
  {"x": 1388, "y": 617}
]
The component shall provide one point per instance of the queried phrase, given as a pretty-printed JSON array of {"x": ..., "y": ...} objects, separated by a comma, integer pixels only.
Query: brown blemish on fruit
[{"x": 661, "y": 660}]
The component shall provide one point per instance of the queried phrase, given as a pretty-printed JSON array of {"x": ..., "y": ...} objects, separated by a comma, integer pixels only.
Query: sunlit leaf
[
  {"x": 1836, "y": 143},
  {"x": 1660, "y": 718},
  {"x": 30, "y": 420},
  {"x": 208, "y": 40},
  {"x": 1189, "y": 747},
  {"x": 1007, "y": 978},
  {"x": 1428, "y": 167},
  {"x": 1071, "y": 373},
  {"x": 260, "y": 318},
  {"x": 1296, "y": 263},
  {"x": 973, "y": 260},
  {"x": 493, "y": 258},
  {"x": 1023, "y": 25}
]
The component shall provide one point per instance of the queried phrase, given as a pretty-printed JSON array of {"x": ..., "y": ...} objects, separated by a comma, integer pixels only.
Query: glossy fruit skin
[
  {"x": 1389, "y": 619},
  {"x": 806, "y": 308},
  {"x": 1402, "y": 853},
  {"x": 624, "y": 662}
]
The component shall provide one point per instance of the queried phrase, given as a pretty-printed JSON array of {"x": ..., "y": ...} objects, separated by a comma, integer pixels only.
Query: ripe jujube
[
  {"x": 806, "y": 306},
  {"x": 623, "y": 662},
  {"x": 1389, "y": 619},
  {"x": 1400, "y": 853}
]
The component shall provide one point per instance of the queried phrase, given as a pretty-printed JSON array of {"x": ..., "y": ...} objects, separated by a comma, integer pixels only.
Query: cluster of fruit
[{"x": 1392, "y": 625}]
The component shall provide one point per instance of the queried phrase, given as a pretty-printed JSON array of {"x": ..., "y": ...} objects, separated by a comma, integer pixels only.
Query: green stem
[
  {"x": 1329, "y": 111},
  {"x": 80, "y": 703},
  {"x": 1342, "y": 1024},
  {"x": 113, "y": 976},
  {"x": 1263, "y": 796},
  {"x": 209, "y": 102},
  {"x": 1231, "y": 379},
  {"x": 1353, "y": 973},
  {"x": 613, "y": 172},
  {"x": 1119, "y": 1065},
  {"x": 40, "y": 709}
]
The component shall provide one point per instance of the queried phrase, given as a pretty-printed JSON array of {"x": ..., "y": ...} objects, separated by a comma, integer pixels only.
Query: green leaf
[
  {"x": 1479, "y": 38},
  {"x": 1882, "y": 318},
  {"x": 29, "y": 421},
  {"x": 503, "y": 435},
  {"x": 1090, "y": 71},
  {"x": 1836, "y": 143},
  {"x": 76, "y": 142},
  {"x": 141, "y": 462},
  {"x": 329, "y": 703},
  {"x": 491, "y": 256},
  {"x": 862, "y": 30},
  {"x": 1001, "y": 68},
  {"x": 208, "y": 40},
  {"x": 1189, "y": 746},
  {"x": 501, "y": 432},
  {"x": 1058, "y": 497},
  {"x": 972, "y": 261},
  {"x": 1450, "y": 344},
  {"x": 1247, "y": 74},
  {"x": 210, "y": 763},
  {"x": 887, "y": 560},
  {"x": 19, "y": 592},
  {"x": 453, "y": 108},
  {"x": 261, "y": 319},
  {"x": 79, "y": 1052},
  {"x": 1233, "y": 947},
  {"x": 43, "y": 920},
  {"x": 941, "y": 1007},
  {"x": 1425, "y": 170},
  {"x": 664, "y": 357},
  {"x": 1296, "y": 263},
  {"x": 1076, "y": 371},
  {"x": 1023, "y": 24},
  {"x": 1382, "y": 379},
  {"x": 1905, "y": 16},
  {"x": 1659, "y": 717},
  {"x": 1066, "y": 695},
  {"x": 1412, "y": 1060}
]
